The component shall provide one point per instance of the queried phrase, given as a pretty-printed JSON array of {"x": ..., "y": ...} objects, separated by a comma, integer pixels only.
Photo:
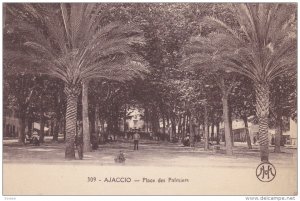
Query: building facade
[{"x": 11, "y": 124}]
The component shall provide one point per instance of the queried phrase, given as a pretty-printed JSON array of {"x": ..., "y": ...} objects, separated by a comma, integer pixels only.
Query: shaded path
[{"x": 151, "y": 153}]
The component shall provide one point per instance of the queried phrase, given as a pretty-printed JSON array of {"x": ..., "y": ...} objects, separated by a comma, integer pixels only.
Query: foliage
[{"x": 69, "y": 42}]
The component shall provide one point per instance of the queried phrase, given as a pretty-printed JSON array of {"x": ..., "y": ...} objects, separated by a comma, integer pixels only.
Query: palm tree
[
  {"x": 70, "y": 42},
  {"x": 262, "y": 47}
]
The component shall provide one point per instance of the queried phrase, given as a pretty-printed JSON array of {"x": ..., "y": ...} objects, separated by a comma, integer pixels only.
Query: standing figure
[{"x": 136, "y": 138}]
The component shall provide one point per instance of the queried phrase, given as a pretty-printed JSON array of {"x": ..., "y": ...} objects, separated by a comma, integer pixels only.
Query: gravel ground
[
  {"x": 207, "y": 172},
  {"x": 150, "y": 153}
]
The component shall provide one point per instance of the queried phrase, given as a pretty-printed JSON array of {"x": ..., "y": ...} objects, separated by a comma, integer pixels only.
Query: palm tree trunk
[
  {"x": 85, "y": 118},
  {"x": 247, "y": 132},
  {"x": 226, "y": 117},
  {"x": 262, "y": 92},
  {"x": 72, "y": 93},
  {"x": 226, "y": 125}
]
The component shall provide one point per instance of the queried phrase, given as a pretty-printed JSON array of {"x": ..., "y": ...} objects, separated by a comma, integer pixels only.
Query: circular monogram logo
[{"x": 265, "y": 172}]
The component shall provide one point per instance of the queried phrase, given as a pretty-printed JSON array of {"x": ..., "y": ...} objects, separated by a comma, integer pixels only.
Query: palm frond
[
  {"x": 263, "y": 51},
  {"x": 74, "y": 44},
  {"x": 212, "y": 21}
]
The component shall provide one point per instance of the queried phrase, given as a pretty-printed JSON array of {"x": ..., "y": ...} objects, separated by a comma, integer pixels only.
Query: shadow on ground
[{"x": 150, "y": 153}]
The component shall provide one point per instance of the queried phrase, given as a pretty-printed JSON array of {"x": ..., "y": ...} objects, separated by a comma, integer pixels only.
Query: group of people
[{"x": 135, "y": 136}]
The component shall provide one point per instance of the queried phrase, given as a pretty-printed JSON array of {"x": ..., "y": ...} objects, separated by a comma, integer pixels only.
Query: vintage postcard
[{"x": 150, "y": 99}]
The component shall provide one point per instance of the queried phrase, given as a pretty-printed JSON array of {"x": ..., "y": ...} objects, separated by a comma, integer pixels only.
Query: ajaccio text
[{"x": 118, "y": 179}]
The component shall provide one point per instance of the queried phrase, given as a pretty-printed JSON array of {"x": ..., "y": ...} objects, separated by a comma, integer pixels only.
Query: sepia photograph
[{"x": 119, "y": 98}]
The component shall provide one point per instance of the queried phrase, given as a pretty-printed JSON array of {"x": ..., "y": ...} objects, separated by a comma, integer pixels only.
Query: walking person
[{"x": 136, "y": 138}]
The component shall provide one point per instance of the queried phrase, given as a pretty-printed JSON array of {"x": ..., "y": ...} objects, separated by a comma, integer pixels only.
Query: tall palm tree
[
  {"x": 70, "y": 42},
  {"x": 262, "y": 46}
]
